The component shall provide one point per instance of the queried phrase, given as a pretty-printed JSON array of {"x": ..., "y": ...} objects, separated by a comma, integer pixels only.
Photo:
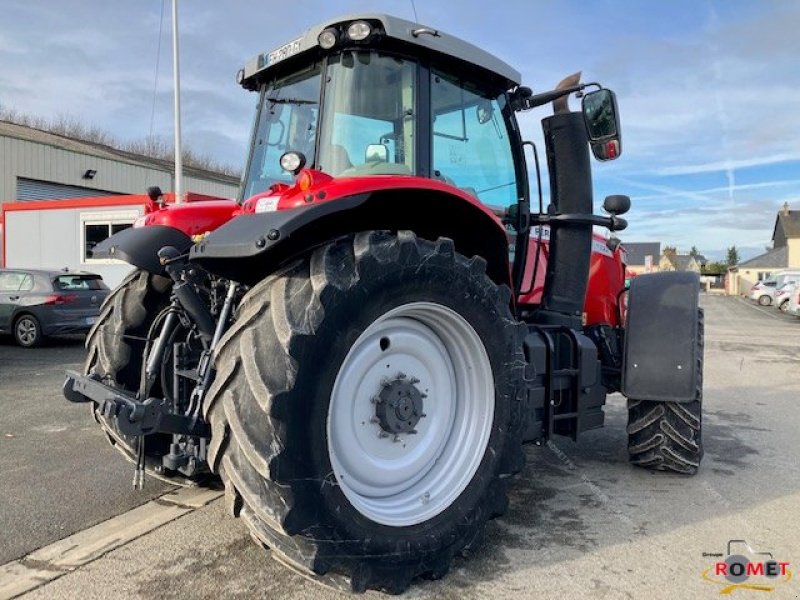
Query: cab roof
[{"x": 396, "y": 30}]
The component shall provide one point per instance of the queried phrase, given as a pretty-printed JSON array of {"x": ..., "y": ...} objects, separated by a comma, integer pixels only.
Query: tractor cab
[{"x": 378, "y": 96}]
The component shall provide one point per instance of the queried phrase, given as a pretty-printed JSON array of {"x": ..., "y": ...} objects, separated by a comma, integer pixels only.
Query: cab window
[
  {"x": 471, "y": 144},
  {"x": 372, "y": 132}
]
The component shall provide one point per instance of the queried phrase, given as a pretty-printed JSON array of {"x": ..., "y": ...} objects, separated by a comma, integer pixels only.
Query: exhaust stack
[{"x": 570, "y": 172}]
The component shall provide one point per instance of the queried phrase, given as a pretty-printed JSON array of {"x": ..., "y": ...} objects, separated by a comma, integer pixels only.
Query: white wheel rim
[{"x": 408, "y": 479}]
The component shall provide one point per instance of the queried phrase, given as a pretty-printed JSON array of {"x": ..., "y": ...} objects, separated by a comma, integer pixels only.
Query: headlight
[
  {"x": 293, "y": 161},
  {"x": 328, "y": 38},
  {"x": 359, "y": 30}
]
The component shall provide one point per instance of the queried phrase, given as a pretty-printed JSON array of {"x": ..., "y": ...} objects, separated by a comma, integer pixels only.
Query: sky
[{"x": 708, "y": 91}]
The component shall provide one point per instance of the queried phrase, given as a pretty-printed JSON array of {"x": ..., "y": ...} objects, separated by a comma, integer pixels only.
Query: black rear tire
[
  {"x": 115, "y": 351},
  {"x": 268, "y": 407},
  {"x": 667, "y": 436}
]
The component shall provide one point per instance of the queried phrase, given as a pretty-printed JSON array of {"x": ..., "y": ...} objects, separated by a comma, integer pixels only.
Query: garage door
[{"x": 33, "y": 189}]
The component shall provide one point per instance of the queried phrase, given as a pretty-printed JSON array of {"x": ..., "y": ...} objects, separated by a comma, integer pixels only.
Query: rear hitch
[{"x": 132, "y": 417}]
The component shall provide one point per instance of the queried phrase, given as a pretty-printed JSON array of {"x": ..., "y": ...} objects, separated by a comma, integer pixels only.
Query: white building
[{"x": 60, "y": 196}]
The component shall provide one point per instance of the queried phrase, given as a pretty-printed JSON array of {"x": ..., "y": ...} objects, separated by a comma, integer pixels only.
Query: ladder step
[{"x": 561, "y": 417}]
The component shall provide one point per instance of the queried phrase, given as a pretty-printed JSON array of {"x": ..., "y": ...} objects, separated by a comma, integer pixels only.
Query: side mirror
[
  {"x": 154, "y": 193},
  {"x": 484, "y": 111},
  {"x": 376, "y": 153},
  {"x": 602, "y": 124},
  {"x": 617, "y": 204}
]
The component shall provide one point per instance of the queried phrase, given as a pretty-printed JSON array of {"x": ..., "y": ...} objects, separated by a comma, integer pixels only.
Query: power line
[
  {"x": 158, "y": 61},
  {"x": 414, "y": 8}
]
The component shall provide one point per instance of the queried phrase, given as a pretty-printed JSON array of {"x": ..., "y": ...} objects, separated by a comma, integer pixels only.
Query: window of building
[{"x": 97, "y": 227}]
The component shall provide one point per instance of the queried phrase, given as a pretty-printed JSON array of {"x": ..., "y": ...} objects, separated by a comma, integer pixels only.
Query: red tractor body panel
[
  {"x": 607, "y": 268},
  {"x": 314, "y": 186},
  {"x": 606, "y": 279},
  {"x": 193, "y": 217}
]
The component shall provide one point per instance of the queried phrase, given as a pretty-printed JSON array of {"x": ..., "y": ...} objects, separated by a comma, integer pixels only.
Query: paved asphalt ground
[{"x": 582, "y": 522}]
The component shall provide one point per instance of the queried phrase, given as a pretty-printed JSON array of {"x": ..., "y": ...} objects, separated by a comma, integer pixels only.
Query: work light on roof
[
  {"x": 328, "y": 38},
  {"x": 359, "y": 30}
]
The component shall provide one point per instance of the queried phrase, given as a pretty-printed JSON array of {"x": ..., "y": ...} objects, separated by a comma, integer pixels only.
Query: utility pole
[{"x": 179, "y": 193}]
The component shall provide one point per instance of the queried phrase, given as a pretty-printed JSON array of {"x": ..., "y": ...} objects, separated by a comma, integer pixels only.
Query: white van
[{"x": 783, "y": 277}]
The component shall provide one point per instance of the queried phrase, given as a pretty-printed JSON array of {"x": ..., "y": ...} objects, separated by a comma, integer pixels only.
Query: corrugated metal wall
[
  {"x": 41, "y": 162},
  {"x": 31, "y": 189}
]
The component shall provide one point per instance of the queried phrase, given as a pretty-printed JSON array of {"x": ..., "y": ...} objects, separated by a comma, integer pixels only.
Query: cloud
[{"x": 721, "y": 166}]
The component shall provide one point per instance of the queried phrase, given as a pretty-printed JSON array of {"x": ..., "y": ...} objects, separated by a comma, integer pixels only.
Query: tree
[
  {"x": 733, "y": 256},
  {"x": 694, "y": 251},
  {"x": 716, "y": 268},
  {"x": 670, "y": 250}
]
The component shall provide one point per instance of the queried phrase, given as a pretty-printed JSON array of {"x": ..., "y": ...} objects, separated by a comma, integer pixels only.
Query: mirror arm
[
  {"x": 613, "y": 223},
  {"x": 529, "y": 102}
]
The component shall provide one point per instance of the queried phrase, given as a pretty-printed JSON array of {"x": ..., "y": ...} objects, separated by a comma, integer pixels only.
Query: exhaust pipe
[{"x": 570, "y": 172}]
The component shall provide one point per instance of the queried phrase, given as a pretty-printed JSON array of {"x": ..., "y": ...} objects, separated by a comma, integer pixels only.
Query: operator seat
[{"x": 340, "y": 160}]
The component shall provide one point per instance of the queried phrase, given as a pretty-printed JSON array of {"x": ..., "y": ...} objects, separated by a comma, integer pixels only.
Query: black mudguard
[
  {"x": 661, "y": 345},
  {"x": 139, "y": 246},
  {"x": 250, "y": 246}
]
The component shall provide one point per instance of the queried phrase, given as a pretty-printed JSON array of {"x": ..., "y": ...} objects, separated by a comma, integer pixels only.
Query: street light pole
[{"x": 179, "y": 194}]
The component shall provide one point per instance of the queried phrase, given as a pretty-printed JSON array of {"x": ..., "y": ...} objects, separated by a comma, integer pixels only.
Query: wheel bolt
[
  {"x": 383, "y": 434},
  {"x": 396, "y": 438},
  {"x": 413, "y": 380}
]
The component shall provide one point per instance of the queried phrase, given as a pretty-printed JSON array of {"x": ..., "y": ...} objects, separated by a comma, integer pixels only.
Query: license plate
[
  {"x": 91, "y": 320},
  {"x": 284, "y": 51}
]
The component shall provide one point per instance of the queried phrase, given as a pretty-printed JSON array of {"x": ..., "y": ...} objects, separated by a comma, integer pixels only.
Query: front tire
[
  {"x": 667, "y": 436},
  {"x": 764, "y": 300},
  {"x": 320, "y": 383}
]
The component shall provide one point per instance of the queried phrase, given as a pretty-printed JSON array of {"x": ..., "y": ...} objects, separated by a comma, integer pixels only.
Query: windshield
[
  {"x": 369, "y": 116},
  {"x": 287, "y": 121}
]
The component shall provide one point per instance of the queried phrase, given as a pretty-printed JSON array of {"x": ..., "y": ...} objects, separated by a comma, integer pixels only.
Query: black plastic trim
[{"x": 139, "y": 246}]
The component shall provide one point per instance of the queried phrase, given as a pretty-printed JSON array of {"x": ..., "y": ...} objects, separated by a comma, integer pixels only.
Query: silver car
[
  {"x": 35, "y": 304},
  {"x": 793, "y": 308},
  {"x": 763, "y": 292},
  {"x": 784, "y": 295}
]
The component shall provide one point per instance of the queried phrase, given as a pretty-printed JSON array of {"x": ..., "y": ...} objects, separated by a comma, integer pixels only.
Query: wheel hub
[{"x": 399, "y": 405}]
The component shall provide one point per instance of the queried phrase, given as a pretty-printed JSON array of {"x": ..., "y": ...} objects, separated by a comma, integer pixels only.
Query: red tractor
[{"x": 361, "y": 345}]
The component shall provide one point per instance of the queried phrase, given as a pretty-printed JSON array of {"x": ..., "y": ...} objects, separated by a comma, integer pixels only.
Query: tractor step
[{"x": 564, "y": 395}]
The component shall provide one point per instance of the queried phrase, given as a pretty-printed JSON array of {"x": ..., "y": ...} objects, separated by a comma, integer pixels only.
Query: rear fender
[
  {"x": 661, "y": 345},
  {"x": 139, "y": 246},
  {"x": 251, "y": 246}
]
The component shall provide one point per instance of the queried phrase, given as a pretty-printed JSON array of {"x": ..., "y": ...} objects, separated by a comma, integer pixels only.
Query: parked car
[
  {"x": 763, "y": 292},
  {"x": 783, "y": 295},
  {"x": 35, "y": 304},
  {"x": 794, "y": 302}
]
